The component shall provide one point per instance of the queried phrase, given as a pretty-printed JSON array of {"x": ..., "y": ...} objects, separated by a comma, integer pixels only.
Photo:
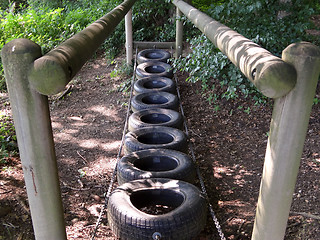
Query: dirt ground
[{"x": 229, "y": 146}]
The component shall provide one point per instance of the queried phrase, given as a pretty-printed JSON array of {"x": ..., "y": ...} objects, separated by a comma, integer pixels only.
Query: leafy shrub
[
  {"x": 4, "y": 5},
  {"x": 153, "y": 20},
  {"x": 38, "y": 4},
  {"x": 204, "y": 5},
  {"x": 209, "y": 65},
  {"x": 49, "y": 27},
  {"x": 8, "y": 139},
  {"x": 12, "y": 5}
]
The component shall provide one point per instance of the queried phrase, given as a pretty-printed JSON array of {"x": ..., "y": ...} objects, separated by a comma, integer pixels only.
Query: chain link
[
  {"x": 114, "y": 174},
  {"x": 203, "y": 188},
  {"x": 156, "y": 235}
]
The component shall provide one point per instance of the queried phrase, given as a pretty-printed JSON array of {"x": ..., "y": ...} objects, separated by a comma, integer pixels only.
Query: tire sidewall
[
  {"x": 135, "y": 121},
  {"x": 193, "y": 208},
  {"x": 141, "y": 71},
  {"x": 139, "y": 85},
  {"x": 178, "y": 143},
  {"x": 185, "y": 169},
  {"x": 137, "y": 103},
  {"x": 142, "y": 56}
]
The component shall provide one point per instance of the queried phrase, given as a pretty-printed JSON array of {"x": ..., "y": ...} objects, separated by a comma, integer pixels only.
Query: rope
[{"x": 114, "y": 174}]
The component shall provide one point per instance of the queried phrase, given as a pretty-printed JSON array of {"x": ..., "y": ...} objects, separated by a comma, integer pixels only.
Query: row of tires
[{"x": 156, "y": 198}]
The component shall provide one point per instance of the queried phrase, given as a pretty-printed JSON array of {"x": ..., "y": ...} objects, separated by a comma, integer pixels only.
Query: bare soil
[{"x": 229, "y": 146}]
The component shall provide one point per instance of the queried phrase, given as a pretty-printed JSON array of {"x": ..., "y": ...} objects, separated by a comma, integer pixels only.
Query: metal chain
[
  {"x": 203, "y": 188},
  {"x": 114, "y": 174}
]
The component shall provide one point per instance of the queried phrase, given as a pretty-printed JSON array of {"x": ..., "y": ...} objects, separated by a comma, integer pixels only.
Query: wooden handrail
[
  {"x": 271, "y": 75},
  {"x": 52, "y": 72}
]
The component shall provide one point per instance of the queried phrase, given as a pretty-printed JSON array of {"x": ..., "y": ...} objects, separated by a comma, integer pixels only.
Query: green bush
[
  {"x": 256, "y": 20},
  {"x": 49, "y": 26},
  {"x": 8, "y": 139},
  {"x": 204, "y": 5},
  {"x": 44, "y": 27},
  {"x": 38, "y": 4},
  {"x": 153, "y": 20},
  {"x": 4, "y": 5},
  {"x": 12, "y": 5}
]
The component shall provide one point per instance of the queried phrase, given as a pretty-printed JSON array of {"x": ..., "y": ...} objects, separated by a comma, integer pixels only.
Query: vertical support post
[
  {"x": 129, "y": 38},
  {"x": 179, "y": 33},
  {"x": 35, "y": 140},
  {"x": 288, "y": 130}
]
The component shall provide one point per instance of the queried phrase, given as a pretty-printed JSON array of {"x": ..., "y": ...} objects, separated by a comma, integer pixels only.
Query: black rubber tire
[
  {"x": 153, "y": 84},
  {"x": 157, "y": 69},
  {"x": 155, "y": 137},
  {"x": 155, "y": 117},
  {"x": 156, "y": 163},
  {"x": 153, "y": 55},
  {"x": 129, "y": 221},
  {"x": 154, "y": 100}
]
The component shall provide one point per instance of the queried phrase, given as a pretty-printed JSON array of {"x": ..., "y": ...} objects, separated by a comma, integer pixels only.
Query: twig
[
  {"x": 88, "y": 226},
  {"x": 81, "y": 184},
  {"x": 23, "y": 204},
  {"x": 9, "y": 191},
  {"x": 308, "y": 215},
  {"x": 194, "y": 133},
  {"x": 85, "y": 161},
  {"x": 61, "y": 95},
  {"x": 4, "y": 100},
  {"x": 73, "y": 188},
  {"x": 229, "y": 219},
  {"x": 294, "y": 225},
  {"x": 9, "y": 225},
  {"x": 239, "y": 228}
]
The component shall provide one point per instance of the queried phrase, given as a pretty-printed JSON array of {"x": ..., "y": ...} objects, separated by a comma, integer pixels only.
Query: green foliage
[
  {"x": 122, "y": 70},
  {"x": 208, "y": 65},
  {"x": 12, "y": 5},
  {"x": 48, "y": 25},
  {"x": 153, "y": 20},
  {"x": 42, "y": 27},
  {"x": 38, "y": 4},
  {"x": 256, "y": 20},
  {"x": 4, "y": 5},
  {"x": 204, "y": 5},
  {"x": 8, "y": 139}
]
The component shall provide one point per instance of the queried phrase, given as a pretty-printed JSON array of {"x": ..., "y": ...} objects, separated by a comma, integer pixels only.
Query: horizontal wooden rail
[
  {"x": 167, "y": 45},
  {"x": 271, "y": 75},
  {"x": 52, "y": 72}
]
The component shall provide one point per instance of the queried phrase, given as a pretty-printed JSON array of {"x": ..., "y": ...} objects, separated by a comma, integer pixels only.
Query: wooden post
[
  {"x": 288, "y": 130},
  {"x": 129, "y": 38},
  {"x": 35, "y": 140},
  {"x": 179, "y": 33}
]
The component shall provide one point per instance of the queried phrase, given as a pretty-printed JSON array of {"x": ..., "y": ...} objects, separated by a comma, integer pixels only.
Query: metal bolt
[{"x": 156, "y": 236}]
